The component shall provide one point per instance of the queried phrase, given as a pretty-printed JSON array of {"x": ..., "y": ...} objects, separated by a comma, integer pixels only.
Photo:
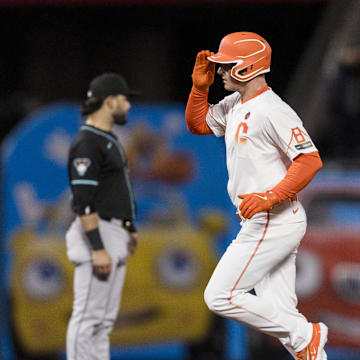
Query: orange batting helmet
[{"x": 250, "y": 52}]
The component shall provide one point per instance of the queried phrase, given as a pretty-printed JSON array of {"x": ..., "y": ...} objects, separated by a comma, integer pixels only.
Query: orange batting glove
[
  {"x": 204, "y": 71},
  {"x": 257, "y": 202}
]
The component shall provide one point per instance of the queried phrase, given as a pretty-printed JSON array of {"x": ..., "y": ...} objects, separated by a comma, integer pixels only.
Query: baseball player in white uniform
[{"x": 270, "y": 157}]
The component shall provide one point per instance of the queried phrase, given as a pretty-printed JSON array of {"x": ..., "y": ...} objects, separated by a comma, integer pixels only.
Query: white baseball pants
[
  {"x": 262, "y": 257},
  {"x": 96, "y": 303}
]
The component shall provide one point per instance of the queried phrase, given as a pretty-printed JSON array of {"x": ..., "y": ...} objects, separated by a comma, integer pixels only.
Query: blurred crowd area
[
  {"x": 51, "y": 52},
  {"x": 326, "y": 87},
  {"x": 341, "y": 74},
  {"x": 57, "y": 49}
]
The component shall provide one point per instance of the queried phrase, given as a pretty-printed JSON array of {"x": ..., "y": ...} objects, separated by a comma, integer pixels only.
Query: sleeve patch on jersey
[
  {"x": 304, "y": 145},
  {"x": 81, "y": 165}
]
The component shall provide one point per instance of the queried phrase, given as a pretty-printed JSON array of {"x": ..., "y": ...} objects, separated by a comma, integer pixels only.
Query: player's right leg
[{"x": 282, "y": 278}]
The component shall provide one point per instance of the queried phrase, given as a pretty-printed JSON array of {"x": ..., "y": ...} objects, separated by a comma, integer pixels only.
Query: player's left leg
[{"x": 101, "y": 341}]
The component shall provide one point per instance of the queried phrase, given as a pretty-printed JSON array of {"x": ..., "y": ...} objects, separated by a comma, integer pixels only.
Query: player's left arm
[
  {"x": 300, "y": 173},
  {"x": 285, "y": 130}
]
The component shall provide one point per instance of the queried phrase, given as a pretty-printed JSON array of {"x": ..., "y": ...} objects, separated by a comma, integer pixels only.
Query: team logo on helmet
[{"x": 81, "y": 165}]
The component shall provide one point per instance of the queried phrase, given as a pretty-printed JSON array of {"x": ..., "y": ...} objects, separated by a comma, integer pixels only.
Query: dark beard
[{"x": 119, "y": 119}]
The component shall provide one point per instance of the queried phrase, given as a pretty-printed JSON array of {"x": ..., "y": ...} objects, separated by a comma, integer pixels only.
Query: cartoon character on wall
[{"x": 176, "y": 260}]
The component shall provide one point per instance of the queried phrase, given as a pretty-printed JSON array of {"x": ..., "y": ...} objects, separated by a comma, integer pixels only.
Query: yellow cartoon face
[
  {"x": 165, "y": 283},
  {"x": 164, "y": 286},
  {"x": 41, "y": 290}
]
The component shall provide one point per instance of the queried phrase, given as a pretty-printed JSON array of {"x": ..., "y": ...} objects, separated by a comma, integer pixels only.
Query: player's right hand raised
[
  {"x": 204, "y": 71},
  {"x": 101, "y": 262}
]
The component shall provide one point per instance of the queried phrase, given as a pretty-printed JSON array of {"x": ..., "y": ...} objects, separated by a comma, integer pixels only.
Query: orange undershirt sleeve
[
  {"x": 299, "y": 174},
  {"x": 195, "y": 113}
]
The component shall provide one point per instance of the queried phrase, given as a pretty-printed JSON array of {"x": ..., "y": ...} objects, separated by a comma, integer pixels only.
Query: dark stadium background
[{"x": 50, "y": 52}]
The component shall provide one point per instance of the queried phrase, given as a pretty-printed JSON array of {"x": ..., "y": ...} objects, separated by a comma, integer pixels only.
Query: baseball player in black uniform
[{"x": 102, "y": 236}]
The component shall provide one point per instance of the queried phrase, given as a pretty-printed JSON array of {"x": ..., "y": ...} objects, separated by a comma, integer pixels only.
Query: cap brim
[{"x": 222, "y": 58}]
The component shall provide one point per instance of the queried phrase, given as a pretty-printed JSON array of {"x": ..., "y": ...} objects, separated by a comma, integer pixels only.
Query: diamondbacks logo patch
[{"x": 81, "y": 165}]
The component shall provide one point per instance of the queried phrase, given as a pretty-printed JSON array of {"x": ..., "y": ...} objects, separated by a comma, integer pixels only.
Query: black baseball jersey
[{"x": 99, "y": 175}]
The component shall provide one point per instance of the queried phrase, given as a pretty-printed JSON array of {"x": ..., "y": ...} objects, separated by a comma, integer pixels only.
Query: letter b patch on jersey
[
  {"x": 298, "y": 135},
  {"x": 81, "y": 165},
  {"x": 300, "y": 138}
]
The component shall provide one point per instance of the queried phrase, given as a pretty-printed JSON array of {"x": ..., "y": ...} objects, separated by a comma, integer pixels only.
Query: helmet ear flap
[
  {"x": 237, "y": 72},
  {"x": 247, "y": 73}
]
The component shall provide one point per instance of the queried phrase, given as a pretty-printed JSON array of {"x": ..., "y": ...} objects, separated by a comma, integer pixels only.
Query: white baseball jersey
[{"x": 262, "y": 136}]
